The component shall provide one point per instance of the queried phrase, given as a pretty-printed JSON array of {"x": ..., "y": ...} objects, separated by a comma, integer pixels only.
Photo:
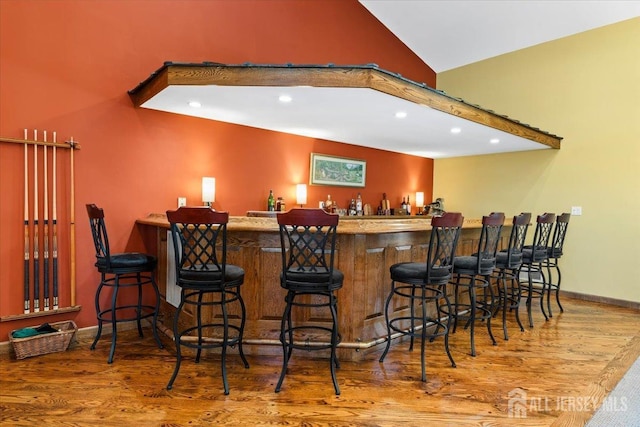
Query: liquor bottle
[
  {"x": 271, "y": 202},
  {"x": 408, "y": 206},
  {"x": 404, "y": 204},
  {"x": 359, "y": 205},
  {"x": 352, "y": 208}
]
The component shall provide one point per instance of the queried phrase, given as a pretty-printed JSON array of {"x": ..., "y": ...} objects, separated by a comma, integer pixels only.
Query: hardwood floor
[{"x": 566, "y": 366}]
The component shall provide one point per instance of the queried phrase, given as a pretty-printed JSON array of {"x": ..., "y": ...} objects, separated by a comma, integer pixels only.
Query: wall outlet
[
  {"x": 182, "y": 201},
  {"x": 576, "y": 210}
]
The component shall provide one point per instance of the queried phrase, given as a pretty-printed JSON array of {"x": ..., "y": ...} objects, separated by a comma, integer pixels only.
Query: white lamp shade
[
  {"x": 419, "y": 198},
  {"x": 301, "y": 194},
  {"x": 208, "y": 189}
]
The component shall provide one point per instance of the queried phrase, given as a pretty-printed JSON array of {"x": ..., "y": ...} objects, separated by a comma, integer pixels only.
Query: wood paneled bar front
[{"x": 366, "y": 248}]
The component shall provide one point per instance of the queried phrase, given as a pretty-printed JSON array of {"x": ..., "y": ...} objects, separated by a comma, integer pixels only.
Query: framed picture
[{"x": 331, "y": 170}]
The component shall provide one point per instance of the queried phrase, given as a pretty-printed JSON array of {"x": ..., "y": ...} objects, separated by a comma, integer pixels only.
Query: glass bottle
[
  {"x": 271, "y": 202},
  {"x": 352, "y": 208},
  {"x": 359, "y": 205},
  {"x": 408, "y": 206}
]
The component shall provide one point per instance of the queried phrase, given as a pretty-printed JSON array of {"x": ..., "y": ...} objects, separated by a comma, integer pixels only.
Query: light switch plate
[
  {"x": 576, "y": 210},
  {"x": 182, "y": 201}
]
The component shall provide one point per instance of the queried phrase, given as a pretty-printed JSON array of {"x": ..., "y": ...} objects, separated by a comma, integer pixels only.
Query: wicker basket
[{"x": 45, "y": 343}]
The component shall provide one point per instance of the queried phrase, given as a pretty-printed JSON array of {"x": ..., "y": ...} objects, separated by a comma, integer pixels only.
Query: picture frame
[{"x": 340, "y": 171}]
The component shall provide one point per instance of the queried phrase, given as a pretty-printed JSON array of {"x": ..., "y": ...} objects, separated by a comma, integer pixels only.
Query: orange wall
[{"x": 66, "y": 65}]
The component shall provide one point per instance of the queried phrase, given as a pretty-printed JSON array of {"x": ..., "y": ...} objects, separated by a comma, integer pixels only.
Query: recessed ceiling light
[
  {"x": 194, "y": 104},
  {"x": 456, "y": 130},
  {"x": 285, "y": 98},
  {"x": 494, "y": 140},
  {"x": 401, "y": 114}
]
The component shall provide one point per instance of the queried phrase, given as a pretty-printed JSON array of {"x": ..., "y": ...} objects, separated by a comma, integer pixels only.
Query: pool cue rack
[{"x": 41, "y": 270}]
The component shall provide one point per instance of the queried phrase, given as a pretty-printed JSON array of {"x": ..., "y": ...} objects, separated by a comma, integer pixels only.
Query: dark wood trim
[
  {"x": 332, "y": 76},
  {"x": 601, "y": 299}
]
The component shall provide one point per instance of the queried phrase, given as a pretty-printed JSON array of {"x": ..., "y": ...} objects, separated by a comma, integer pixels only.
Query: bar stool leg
[
  {"x": 505, "y": 301},
  {"x": 225, "y": 340},
  {"x": 114, "y": 328},
  {"x": 489, "y": 310},
  {"x": 241, "y": 332},
  {"x": 334, "y": 342},
  {"x": 386, "y": 321},
  {"x": 99, "y": 313},
  {"x": 176, "y": 336},
  {"x": 545, "y": 288},
  {"x": 472, "y": 317},
  {"x": 139, "y": 307},
  {"x": 285, "y": 328},
  {"x": 154, "y": 324},
  {"x": 446, "y": 335},
  {"x": 424, "y": 334},
  {"x": 558, "y": 286}
]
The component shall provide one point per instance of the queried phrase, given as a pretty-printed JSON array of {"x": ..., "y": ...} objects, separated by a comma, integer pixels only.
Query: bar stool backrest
[
  {"x": 200, "y": 243},
  {"x": 445, "y": 233},
  {"x": 517, "y": 238},
  {"x": 541, "y": 237},
  {"x": 559, "y": 233},
  {"x": 100, "y": 238},
  {"x": 489, "y": 241},
  {"x": 308, "y": 241}
]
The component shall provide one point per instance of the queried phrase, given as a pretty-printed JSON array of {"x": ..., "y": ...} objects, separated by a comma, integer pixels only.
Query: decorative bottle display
[
  {"x": 359, "y": 205},
  {"x": 408, "y": 206},
  {"x": 271, "y": 202}
]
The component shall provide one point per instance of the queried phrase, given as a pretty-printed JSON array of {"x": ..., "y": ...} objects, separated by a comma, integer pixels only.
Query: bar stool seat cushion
[
  {"x": 408, "y": 272},
  {"x": 471, "y": 263},
  {"x": 211, "y": 279},
  {"x": 128, "y": 260},
  {"x": 554, "y": 252},
  {"x": 502, "y": 258},
  {"x": 529, "y": 255},
  {"x": 310, "y": 279}
]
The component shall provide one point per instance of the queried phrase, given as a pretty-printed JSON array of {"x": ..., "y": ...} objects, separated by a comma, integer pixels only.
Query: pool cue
[
  {"x": 72, "y": 231},
  {"x": 36, "y": 249},
  {"x": 55, "y": 232},
  {"x": 45, "y": 282},
  {"x": 27, "y": 301}
]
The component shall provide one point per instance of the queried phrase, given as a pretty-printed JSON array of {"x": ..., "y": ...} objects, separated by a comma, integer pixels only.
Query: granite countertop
[{"x": 347, "y": 225}]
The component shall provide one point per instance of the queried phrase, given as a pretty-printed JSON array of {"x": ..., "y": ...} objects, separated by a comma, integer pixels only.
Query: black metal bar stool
[
  {"x": 472, "y": 274},
  {"x": 508, "y": 262},
  {"x": 121, "y": 270},
  {"x": 534, "y": 257},
  {"x": 425, "y": 283},
  {"x": 554, "y": 253},
  {"x": 199, "y": 237},
  {"x": 308, "y": 242}
]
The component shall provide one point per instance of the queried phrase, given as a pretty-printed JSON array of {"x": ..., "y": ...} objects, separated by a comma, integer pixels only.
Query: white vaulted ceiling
[{"x": 448, "y": 34}]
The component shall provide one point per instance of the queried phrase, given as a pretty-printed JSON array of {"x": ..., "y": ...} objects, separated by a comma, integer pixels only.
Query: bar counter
[{"x": 366, "y": 248}]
